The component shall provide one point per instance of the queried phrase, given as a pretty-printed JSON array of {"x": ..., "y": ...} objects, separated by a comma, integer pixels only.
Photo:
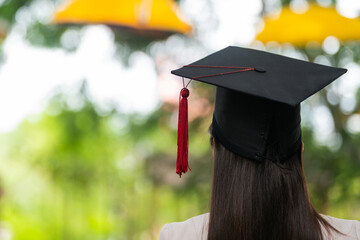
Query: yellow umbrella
[
  {"x": 316, "y": 24},
  {"x": 153, "y": 15}
]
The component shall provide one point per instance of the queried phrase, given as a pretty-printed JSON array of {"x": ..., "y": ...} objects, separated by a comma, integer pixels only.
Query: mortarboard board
[{"x": 257, "y": 102}]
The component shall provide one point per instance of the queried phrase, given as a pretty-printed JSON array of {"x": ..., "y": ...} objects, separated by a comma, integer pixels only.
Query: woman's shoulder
[
  {"x": 349, "y": 228},
  {"x": 196, "y": 228},
  {"x": 193, "y": 228}
]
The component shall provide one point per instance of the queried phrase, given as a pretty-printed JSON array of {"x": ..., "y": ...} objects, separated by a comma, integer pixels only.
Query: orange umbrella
[
  {"x": 2, "y": 34},
  {"x": 3, "y": 30},
  {"x": 316, "y": 24},
  {"x": 153, "y": 15}
]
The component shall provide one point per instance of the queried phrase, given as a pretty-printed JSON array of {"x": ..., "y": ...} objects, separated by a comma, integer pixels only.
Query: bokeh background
[{"x": 88, "y": 109}]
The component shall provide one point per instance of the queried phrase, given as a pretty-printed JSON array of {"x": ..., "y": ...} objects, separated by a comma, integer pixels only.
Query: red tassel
[{"x": 182, "y": 165}]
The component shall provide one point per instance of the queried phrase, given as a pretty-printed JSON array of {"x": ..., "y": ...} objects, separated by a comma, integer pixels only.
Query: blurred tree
[
  {"x": 75, "y": 174},
  {"x": 8, "y": 9},
  {"x": 82, "y": 173},
  {"x": 325, "y": 166}
]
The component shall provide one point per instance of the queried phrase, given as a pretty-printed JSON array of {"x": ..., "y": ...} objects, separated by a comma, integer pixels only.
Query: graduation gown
[{"x": 196, "y": 229}]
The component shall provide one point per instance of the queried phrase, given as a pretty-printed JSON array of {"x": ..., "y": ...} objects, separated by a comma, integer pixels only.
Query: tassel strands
[{"x": 182, "y": 165}]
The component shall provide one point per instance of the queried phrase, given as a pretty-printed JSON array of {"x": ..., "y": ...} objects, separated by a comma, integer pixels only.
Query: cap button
[{"x": 260, "y": 69}]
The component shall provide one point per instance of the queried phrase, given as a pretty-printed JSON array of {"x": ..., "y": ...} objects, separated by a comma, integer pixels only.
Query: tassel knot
[{"x": 184, "y": 92}]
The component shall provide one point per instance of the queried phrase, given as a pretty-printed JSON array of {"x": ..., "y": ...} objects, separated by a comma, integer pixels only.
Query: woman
[
  {"x": 259, "y": 189},
  {"x": 273, "y": 204}
]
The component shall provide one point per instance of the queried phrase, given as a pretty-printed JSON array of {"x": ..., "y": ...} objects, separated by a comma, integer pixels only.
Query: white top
[{"x": 196, "y": 229}]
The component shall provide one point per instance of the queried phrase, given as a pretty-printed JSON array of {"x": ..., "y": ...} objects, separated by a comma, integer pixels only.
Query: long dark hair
[{"x": 269, "y": 200}]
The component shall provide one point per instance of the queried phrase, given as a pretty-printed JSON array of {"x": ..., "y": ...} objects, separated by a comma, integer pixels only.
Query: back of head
[
  {"x": 259, "y": 188},
  {"x": 268, "y": 200}
]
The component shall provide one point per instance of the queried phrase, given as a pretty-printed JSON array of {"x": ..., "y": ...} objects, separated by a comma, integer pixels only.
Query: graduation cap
[{"x": 257, "y": 102}]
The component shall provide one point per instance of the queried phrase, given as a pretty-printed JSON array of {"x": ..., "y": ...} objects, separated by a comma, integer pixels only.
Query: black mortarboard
[{"x": 258, "y": 99}]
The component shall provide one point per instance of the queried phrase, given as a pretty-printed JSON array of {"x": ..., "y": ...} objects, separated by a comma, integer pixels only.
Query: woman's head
[
  {"x": 252, "y": 200},
  {"x": 259, "y": 188}
]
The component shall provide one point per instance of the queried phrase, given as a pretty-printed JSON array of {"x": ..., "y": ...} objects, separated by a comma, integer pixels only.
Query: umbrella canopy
[
  {"x": 147, "y": 15},
  {"x": 3, "y": 29},
  {"x": 2, "y": 34},
  {"x": 316, "y": 24}
]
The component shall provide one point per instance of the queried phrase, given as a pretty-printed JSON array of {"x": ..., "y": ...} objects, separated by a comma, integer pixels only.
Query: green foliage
[
  {"x": 9, "y": 9},
  {"x": 332, "y": 176},
  {"x": 45, "y": 35},
  {"x": 74, "y": 175},
  {"x": 85, "y": 174}
]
